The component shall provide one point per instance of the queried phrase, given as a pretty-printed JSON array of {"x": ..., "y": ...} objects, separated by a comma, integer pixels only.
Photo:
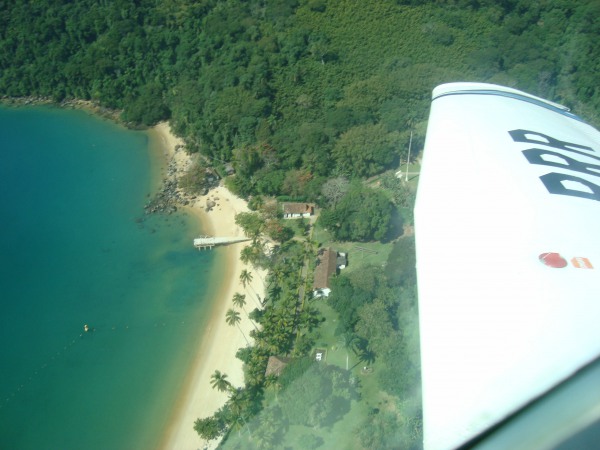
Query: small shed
[
  {"x": 275, "y": 365},
  {"x": 229, "y": 170},
  {"x": 342, "y": 260}
]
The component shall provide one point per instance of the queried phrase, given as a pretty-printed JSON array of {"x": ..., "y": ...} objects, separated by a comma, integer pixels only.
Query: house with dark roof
[
  {"x": 297, "y": 210},
  {"x": 326, "y": 267}
]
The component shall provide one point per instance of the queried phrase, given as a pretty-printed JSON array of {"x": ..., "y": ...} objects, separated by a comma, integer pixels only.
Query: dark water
[{"x": 75, "y": 249}]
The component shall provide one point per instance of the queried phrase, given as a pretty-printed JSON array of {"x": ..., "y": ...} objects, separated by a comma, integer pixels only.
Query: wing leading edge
[{"x": 508, "y": 255}]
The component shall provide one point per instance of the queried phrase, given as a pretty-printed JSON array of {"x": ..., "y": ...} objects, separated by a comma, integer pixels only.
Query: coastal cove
[{"x": 77, "y": 248}]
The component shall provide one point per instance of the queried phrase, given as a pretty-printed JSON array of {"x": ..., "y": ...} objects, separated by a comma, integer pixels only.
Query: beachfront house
[
  {"x": 297, "y": 210},
  {"x": 328, "y": 263}
]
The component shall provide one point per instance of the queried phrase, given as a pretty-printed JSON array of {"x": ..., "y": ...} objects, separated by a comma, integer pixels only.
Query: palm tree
[
  {"x": 272, "y": 380},
  {"x": 246, "y": 255},
  {"x": 239, "y": 300},
  {"x": 232, "y": 317},
  {"x": 245, "y": 277},
  {"x": 277, "y": 274},
  {"x": 310, "y": 248},
  {"x": 309, "y": 318},
  {"x": 264, "y": 436},
  {"x": 220, "y": 382},
  {"x": 274, "y": 292},
  {"x": 367, "y": 355},
  {"x": 259, "y": 250},
  {"x": 239, "y": 404}
]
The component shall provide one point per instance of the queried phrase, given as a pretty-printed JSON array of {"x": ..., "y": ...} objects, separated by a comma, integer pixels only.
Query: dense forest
[{"x": 295, "y": 92}]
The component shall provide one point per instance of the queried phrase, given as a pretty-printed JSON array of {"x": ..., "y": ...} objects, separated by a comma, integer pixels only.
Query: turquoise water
[{"x": 75, "y": 249}]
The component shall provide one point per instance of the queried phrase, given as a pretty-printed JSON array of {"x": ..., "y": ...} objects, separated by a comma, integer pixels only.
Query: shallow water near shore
[{"x": 75, "y": 249}]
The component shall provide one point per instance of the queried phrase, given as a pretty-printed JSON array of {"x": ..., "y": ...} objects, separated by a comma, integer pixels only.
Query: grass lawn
[
  {"x": 336, "y": 353},
  {"x": 299, "y": 226},
  {"x": 321, "y": 236},
  {"x": 359, "y": 254}
]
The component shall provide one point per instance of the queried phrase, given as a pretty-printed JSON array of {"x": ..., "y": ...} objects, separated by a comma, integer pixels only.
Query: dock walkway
[{"x": 208, "y": 242}]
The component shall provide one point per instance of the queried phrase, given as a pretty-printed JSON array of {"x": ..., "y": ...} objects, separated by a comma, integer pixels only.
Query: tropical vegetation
[{"x": 294, "y": 92}]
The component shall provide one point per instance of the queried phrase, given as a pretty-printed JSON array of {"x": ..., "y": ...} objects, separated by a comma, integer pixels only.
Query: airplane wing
[{"x": 507, "y": 225}]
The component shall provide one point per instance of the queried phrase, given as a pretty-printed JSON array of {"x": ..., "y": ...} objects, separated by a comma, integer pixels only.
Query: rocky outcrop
[{"x": 170, "y": 196}]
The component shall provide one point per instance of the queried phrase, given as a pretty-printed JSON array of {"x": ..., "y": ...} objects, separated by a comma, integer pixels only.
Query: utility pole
[{"x": 408, "y": 159}]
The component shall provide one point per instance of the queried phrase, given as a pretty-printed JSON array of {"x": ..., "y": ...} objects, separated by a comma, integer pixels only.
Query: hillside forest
[{"x": 295, "y": 92}]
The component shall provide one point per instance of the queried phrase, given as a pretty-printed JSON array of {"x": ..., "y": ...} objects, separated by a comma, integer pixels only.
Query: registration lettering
[{"x": 556, "y": 182}]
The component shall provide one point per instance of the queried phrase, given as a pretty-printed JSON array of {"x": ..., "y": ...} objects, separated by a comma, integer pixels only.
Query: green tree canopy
[
  {"x": 366, "y": 150},
  {"x": 251, "y": 222},
  {"x": 319, "y": 397},
  {"x": 210, "y": 428},
  {"x": 197, "y": 179},
  {"x": 148, "y": 107},
  {"x": 363, "y": 214}
]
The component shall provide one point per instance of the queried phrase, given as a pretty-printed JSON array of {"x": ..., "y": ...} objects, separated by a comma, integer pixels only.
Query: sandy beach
[{"x": 218, "y": 345}]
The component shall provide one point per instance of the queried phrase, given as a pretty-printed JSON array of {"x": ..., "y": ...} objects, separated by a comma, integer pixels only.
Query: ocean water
[{"x": 75, "y": 249}]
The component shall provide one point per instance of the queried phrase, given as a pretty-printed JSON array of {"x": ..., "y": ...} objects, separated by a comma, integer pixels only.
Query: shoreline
[
  {"x": 219, "y": 343},
  {"x": 69, "y": 103}
]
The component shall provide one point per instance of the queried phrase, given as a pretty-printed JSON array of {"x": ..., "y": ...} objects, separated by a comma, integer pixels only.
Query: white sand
[{"x": 217, "y": 348}]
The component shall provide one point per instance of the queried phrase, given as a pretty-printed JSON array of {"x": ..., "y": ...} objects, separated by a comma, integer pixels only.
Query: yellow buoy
[{"x": 86, "y": 328}]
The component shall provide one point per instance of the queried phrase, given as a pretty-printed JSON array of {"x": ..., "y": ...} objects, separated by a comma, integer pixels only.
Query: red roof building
[{"x": 326, "y": 267}]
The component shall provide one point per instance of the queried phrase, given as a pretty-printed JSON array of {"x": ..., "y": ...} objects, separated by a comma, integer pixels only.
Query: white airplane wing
[{"x": 507, "y": 224}]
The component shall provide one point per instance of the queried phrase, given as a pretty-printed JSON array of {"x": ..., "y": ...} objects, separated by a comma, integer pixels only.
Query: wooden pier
[{"x": 208, "y": 242}]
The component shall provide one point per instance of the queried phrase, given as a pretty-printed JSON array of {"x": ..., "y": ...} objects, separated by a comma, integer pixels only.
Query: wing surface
[{"x": 507, "y": 224}]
